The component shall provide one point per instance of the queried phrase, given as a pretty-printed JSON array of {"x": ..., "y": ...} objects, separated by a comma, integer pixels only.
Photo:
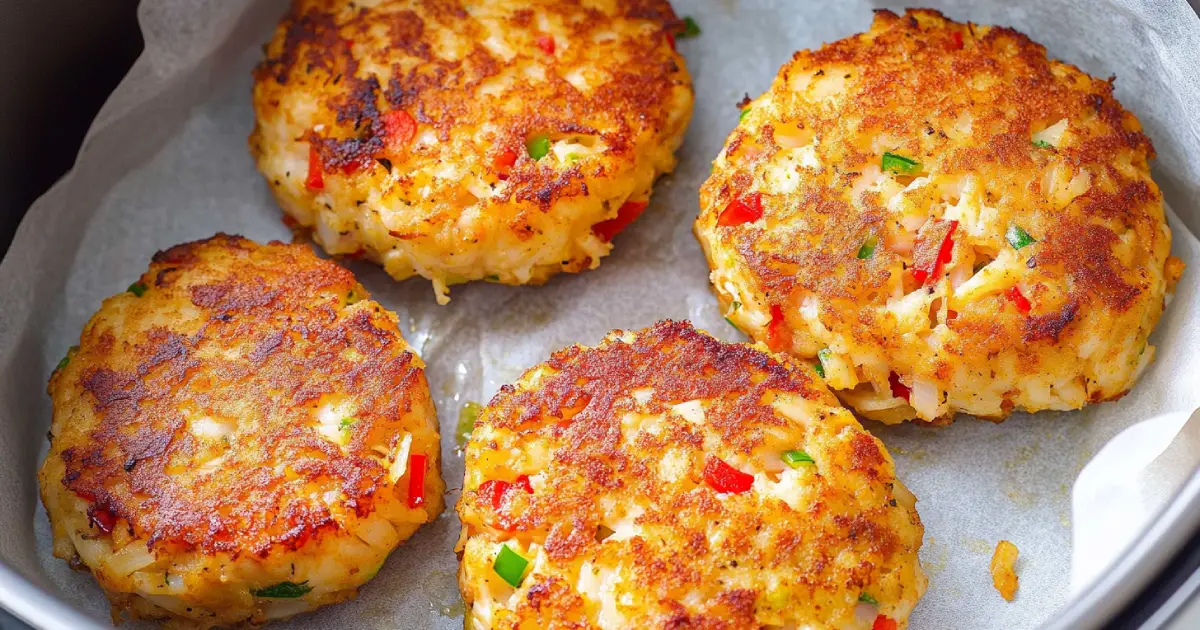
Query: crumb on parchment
[{"x": 1004, "y": 578}]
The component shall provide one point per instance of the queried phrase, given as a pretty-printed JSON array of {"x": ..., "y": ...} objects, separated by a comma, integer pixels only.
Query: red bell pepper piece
[
  {"x": 609, "y": 228},
  {"x": 316, "y": 175},
  {"x": 741, "y": 210},
  {"x": 546, "y": 43},
  {"x": 1018, "y": 299},
  {"x": 416, "y": 480},
  {"x": 399, "y": 129},
  {"x": 779, "y": 337},
  {"x": 103, "y": 519},
  {"x": 899, "y": 390},
  {"x": 504, "y": 159},
  {"x": 725, "y": 478},
  {"x": 932, "y": 270},
  {"x": 493, "y": 490},
  {"x": 956, "y": 41},
  {"x": 884, "y": 623}
]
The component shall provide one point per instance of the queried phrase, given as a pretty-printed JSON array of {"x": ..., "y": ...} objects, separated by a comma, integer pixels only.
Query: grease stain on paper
[{"x": 440, "y": 588}]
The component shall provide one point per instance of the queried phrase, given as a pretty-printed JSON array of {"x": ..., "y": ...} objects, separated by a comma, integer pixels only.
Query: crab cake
[
  {"x": 664, "y": 479},
  {"x": 504, "y": 141},
  {"x": 241, "y": 436},
  {"x": 946, "y": 220}
]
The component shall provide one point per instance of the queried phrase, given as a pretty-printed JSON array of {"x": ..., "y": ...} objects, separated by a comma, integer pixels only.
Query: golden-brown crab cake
[
  {"x": 664, "y": 479},
  {"x": 241, "y": 436},
  {"x": 504, "y": 141},
  {"x": 947, "y": 220}
]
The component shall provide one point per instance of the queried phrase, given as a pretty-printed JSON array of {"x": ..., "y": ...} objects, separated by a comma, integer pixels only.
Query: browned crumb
[
  {"x": 1173, "y": 272},
  {"x": 1004, "y": 578}
]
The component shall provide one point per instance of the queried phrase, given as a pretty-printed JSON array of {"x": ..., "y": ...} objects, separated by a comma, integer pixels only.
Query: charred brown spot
[
  {"x": 579, "y": 412},
  {"x": 1049, "y": 326},
  {"x": 867, "y": 454},
  {"x": 1085, "y": 252},
  {"x": 263, "y": 368},
  {"x": 1095, "y": 210},
  {"x": 312, "y": 34},
  {"x": 322, "y": 51},
  {"x": 569, "y": 539},
  {"x": 673, "y": 359}
]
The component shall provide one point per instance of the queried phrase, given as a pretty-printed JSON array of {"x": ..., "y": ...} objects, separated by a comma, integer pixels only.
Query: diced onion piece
[
  {"x": 134, "y": 557},
  {"x": 924, "y": 398},
  {"x": 1051, "y": 135},
  {"x": 911, "y": 311},
  {"x": 692, "y": 411},
  {"x": 901, "y": 241},
  {"x": 864, "y": 614},
  {"x": 997, "y": 276},
  {"x": 282, "y": 608},
  {"x": 838, "y": 372},
  {"x": 904, "y": 496},
  {"x": 156, "y": 583},
  {"x": 377, "y": 532},
  {"x": 91, "y": 550},
  {"x": 399, "y": 463},
  {"x": 960, "y": 274},
  {"x": 868, "y": 177}
]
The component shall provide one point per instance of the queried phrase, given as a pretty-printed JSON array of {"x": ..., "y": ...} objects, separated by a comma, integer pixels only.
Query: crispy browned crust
[
  {"x": 679, "y": 362},
  {"x": 577, "y": 419},
  {"x": 313, "y": 51},
  {"x": 907, "y": 83},
  {"x": 904, "y": 83},
  {"x": 274, "y": 333}
]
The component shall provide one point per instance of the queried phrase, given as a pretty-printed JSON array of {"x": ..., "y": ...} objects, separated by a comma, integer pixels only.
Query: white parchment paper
[{"x": 166, "y": 162}]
